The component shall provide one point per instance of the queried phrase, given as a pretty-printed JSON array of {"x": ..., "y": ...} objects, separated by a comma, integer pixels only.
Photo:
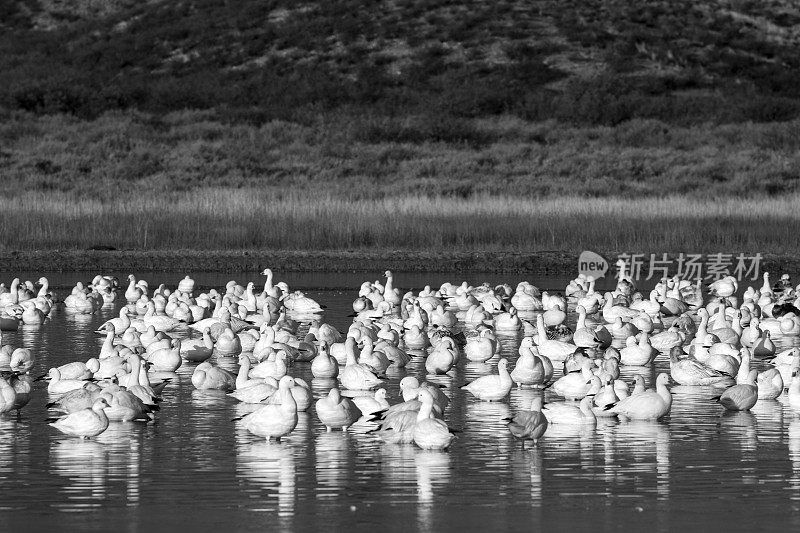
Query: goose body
[
  {"x": 639, "y": 353},
  {"x": 207, "y": 376},
  {"x": 529, "y": 425},
  {"x": 646, "y": 405},
  {"x": 442, "y": 358},
  {"x": 275, "y": 421},
  {"x": 356, "y": 376},
  {"x": 8, "y": 395},
  {"x": 59, "y": 386},
  {"x": 742, "y": 396},
  {"x": 199, "y": 349},
  {"x": 575, "y": 385},
  {"x": 482, "y": 347},
  {"x": 690, "y": 371},
  {"x": 324, "y": 365},
  {"x": 529, "y": 369},
  {"x": 84, "y": 423},
  {"x": 430, "y": 433},
  {"x": 568, "y": 413},
  {"x": 77, "y": 399},
  {"x": 336, "y": 411},
  {"x": 492, "y": 387},
  {"x": 553, "y": 349}
]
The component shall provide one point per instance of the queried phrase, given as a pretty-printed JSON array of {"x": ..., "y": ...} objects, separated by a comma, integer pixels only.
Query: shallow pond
[{"x": 196, "y": 469}]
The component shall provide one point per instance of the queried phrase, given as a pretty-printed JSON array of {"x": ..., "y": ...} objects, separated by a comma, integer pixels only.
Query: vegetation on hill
[
  {"x": 594, "y": 62},
  {"x": 332, "y": 111}
]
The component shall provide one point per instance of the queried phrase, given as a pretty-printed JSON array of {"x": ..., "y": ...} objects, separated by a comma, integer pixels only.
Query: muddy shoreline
[
  {"x": 296, "y": 261},
  {"x": 534, "y": 262}
]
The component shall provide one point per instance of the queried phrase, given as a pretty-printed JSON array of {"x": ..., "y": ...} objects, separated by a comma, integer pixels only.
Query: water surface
[{"x": 196, "y": 469}]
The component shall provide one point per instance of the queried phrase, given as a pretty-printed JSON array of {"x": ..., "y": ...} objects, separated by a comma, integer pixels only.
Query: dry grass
[{"x": 277, "y": 219}]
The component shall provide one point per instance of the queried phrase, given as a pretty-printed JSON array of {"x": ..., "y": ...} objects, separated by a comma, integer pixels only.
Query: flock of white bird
[{"x": 709, "y": 335}]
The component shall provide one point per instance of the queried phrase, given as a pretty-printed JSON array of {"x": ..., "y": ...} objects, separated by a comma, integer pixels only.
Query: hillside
[{"x": 594, "y": 62}]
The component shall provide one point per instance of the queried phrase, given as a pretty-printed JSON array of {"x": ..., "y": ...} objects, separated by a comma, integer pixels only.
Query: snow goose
[
  {"x": 77, "y": 399},
  {"x": 207, "y": 376},
  {"x": 528, "y": 369},
  {"x": 356, "y": 376},
  {"x": 553, "y": 349},
  {"x": 575, "y": 385},
  {"x": 116, "y": 325},
  {"x": 742, "y": 396},
  {"x": 124, "y": 406},
  {"x": 638, "y": 353},
  {"x": 611, "y": 312},
  {"x": 529, "y": 425},
  {"x": 324, "y": 365},
  {"x": 274, "y": 421},
  {"x": 60, "y": 386},
  {"x": 275, "y": 366},
  {"x": 480, "y": 347},
  {"x": 8, "y": 395},
  {"x": 336, "y": 411},
  {"x": 646, "y": 405},
  {"x": 689, "y": 371},
  {"x": 430, "y": 433},
  {"x": 84, "y": 423},
  {"x": 494, "y": 386},
  {"x": 568, "y": 413},
  {"x": 508, "y": 321},
  {"x": 373, "y": 358},
  {"x": 369, "y": 405},
  {"x": 442, "y": 358},
  {"x": 198, "y": 350},
  {"x": 301, "y": 393},
  {"x": 166, "y": 359}
]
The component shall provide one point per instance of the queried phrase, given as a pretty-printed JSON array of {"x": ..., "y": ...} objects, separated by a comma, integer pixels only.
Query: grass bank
[
  {"x": 277, "y": 219},
  {"x": 371, "y": 157}
]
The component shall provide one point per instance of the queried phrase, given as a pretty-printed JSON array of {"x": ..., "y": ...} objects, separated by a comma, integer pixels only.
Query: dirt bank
[
  {"x": 255, "y": 260},
  {"x": 540, "y": 262}
]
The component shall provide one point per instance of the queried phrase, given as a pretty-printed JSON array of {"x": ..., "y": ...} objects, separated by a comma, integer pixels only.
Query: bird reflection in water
[
  {"x": 14, "y": 446},
  {"x": 433, "y": 474},
  {"x": 740, "y": 429},
  {"x": 333, "y": 453},
  {"x": 271, "y": 467},
  {"x": 94, "y": 466},
  {"x": 769, "y": 420},
  {"x": 793, "y": 432}
]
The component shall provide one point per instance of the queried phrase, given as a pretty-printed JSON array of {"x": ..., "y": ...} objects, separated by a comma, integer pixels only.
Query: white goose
[
  {"x": 356, "y": 376},
  {"x": 552, "y": 349},
  {"x": 275, "y": 421},
  {"x": 336, "y": 411},
  {"x": 207, "y": 376},
  {"x": 481, "y": 347},
  {"x": 84, "y": 423},
  {"x": 430, "y": 433},
  {"x": 638, "y": 353},
  {"x": 647, "y": 405},
  {"x": 568, "y": 413},
  {"x": 324, "y": 365},
  {"x": 529, "y": 369},
  {"x": 494, "y": 386}
]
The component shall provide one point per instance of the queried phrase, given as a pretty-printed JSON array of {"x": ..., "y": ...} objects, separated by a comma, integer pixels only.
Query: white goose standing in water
[
  {"x": 84, "y": 423},
  {"x": 647, "y": 405},
  {"x": 494, "y": 386},
  {"x": 274, "y": 421}
]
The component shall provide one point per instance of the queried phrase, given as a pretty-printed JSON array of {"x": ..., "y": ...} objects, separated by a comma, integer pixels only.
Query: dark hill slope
[{"x": 582, "y": 61}]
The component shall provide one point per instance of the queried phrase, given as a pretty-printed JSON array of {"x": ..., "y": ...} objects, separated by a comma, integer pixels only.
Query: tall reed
[{"x": 222, "y": 218}]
